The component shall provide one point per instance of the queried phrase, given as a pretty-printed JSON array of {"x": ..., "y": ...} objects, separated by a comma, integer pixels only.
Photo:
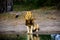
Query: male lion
[
  {"x": 29, "y": 22},
  {"x": 29, "y": 19}
]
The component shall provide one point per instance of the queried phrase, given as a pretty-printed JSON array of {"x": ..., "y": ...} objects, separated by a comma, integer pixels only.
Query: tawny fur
[{"x": 32, "y": 27}]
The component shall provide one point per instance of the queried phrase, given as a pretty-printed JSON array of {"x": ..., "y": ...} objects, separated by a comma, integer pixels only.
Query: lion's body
[{"x": 29, "y": 22}]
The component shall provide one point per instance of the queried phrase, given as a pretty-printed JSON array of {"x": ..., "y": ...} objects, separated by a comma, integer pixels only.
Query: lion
[
  {"x": 36, "y": 28},
  {"x": 29, "y": 22}
]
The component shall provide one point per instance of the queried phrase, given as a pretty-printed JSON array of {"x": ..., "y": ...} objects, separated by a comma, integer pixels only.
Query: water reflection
[
  {"x": 30, "y": 37},
  {"x": 55, "y": 36},
  {"x": 33, "y": 37}
]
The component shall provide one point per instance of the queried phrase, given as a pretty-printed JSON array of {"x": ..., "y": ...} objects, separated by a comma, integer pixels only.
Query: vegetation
[{"x": 20, "y": 5}]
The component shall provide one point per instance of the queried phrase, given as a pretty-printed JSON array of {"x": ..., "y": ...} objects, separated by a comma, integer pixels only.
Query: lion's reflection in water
[{"x": 33, "y": 37}]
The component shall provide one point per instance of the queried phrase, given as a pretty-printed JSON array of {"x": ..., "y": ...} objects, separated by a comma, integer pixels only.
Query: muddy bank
[{"x": 48, "y": 20}]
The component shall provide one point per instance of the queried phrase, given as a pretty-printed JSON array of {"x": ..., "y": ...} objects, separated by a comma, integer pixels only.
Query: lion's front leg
[
  {"x": 27, "y": 29},
  {"x": 31, "y": 31}
]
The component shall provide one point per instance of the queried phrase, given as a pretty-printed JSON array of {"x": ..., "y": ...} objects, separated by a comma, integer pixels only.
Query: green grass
[
  {"x": 24, "y": 7},
  {"x": 30, "y": 7}
]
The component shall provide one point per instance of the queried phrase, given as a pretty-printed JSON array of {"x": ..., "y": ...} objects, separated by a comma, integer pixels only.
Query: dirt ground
[{"x": 48, "y": 21}]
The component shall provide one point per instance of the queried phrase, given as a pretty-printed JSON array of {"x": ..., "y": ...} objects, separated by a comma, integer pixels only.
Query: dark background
[{"x": 10, "y": 5}]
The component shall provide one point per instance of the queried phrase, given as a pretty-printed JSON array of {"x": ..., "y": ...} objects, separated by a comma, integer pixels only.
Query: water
[{"x": 30, "y": 37}]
